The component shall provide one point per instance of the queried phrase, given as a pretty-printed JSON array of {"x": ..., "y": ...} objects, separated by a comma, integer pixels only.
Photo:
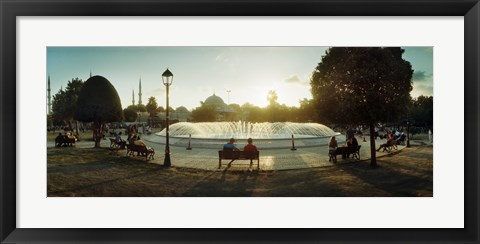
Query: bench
[
  {"x": 344, "y": 151},
  {"x": 238, "y": 155},
  {"x": 390, "y": 146},
  {"x": 117, "y": 145},
  {"x": 65, "y": 141},
  {"x": 148, "y": 153}
]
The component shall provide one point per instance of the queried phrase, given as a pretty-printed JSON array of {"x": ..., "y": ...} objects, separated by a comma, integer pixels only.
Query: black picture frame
[{"x": 10, "y": 9}]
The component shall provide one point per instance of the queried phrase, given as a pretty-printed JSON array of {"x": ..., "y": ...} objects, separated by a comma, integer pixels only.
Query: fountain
[{"x": 265, "y": 135}]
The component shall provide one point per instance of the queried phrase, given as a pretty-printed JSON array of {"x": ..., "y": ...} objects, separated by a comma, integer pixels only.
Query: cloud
[
  {"x": 426, "y": 90},
  {"x": 156, "y": 92},
  {"x": 294, "y": 79},
  {"x": 420, "y": 76}
]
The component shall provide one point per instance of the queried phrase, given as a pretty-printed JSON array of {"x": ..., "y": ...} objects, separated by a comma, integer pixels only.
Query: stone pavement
[{"x": 270, "y": 159}]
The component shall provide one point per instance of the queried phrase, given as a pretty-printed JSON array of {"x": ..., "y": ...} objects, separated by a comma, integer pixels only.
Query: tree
[
  {"x": 130, "y": 115},
  {"x": 306, "y": 112},
  {"x": 152, "y": 106},
  {"x": 235, "y": 112},
  {"x": 362, "y": 86},
  {"x": 422, "y": 111},
  {"x": 254, "y": 113},
  {"x": 64, "y": 102},
  {"x": 138, "y": 108},
  {"x": 99, "y": 103},
  {"x": 272, "y": 98},
  {"x": 204, "y": 113}
]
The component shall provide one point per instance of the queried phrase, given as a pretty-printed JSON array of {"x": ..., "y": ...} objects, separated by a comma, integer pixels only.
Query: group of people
[
  {"x": 351, "y": 145},
  {"x": 392, "y": 140},
  {"x": 67, "y": 139},
  {"x": 230, "y": 145},
  {"x": 133, "y": 138}
]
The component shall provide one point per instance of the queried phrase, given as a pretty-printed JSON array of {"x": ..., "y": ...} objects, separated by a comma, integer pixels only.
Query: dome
[
  {"x": 182, "y": 109},
  {"x": 214, "y": 100}
]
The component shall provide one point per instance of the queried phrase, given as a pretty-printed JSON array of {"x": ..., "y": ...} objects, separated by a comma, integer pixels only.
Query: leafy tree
[
  {"x": 235, "y": 113},
  {"x": 64, "y": 102},
  {"x": 160, "y": 109},
  {"x": 152, "y": 106},
  {"x": 254, "y": 113},
  {"x": 141, "y": 108},
  {"x": 204, "y": 113},
  {"x": 272, "y": 108},
  {"x": 272, "y": 97},
  {"x": 306, "y": 112},
  {"x": 138, "y": 108},
  {"x": 422, "y": 111},
  {"x": 130, "y": 115},
  {"x": 99, "y": 103},
  {"x": 362, "y": 86}
]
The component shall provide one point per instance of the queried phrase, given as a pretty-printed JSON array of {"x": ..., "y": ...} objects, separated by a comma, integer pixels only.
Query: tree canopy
[
  {"x": 204, "y": 113},
  {"x": 99, "y": 103},
  {"x": 358, "y": 85},
  {"x": 152, "y": 106},
  {"x": 65, "y": 101},
  {"x": 130, "y": 115},
  {"x": 422, "y": 111}
]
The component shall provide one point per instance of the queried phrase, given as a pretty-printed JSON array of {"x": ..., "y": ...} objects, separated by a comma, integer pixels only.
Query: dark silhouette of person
[{"x": 250, "y": 146}]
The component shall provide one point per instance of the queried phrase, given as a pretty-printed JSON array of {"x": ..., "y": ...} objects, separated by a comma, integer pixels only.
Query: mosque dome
[
  {"x": 181, "y": 109},
  {"x": 214, "y": 100}
]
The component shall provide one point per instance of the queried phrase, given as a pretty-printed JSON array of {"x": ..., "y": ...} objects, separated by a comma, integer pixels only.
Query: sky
[{"x": 236, "y": 74}]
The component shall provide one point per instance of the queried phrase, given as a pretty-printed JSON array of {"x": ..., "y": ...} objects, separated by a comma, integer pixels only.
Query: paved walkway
[{"x": 270, "y": 159}]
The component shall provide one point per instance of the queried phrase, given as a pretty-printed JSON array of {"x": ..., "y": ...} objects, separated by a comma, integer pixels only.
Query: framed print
[{"x": 226, "y": 72}]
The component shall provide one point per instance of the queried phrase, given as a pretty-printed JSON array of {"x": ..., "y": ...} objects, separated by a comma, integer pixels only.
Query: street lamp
[
  {"x": 167, "y": 78},
  {"x": 408, "y": 133}
]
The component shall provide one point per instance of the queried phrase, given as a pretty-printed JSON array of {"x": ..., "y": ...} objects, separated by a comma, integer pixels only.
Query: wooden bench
[
  {"x": 390, "y": 146},
  {"x": 117, "y": 145},
  {"x": 65, "y": 141},
  {"x": 148, "y": 153},
  {"x": 238, "y": 155},
  {"x": 344, "y": 151}
]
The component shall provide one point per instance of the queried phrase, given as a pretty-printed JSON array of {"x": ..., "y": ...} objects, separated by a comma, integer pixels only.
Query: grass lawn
[{"x": 77, "y": 172}]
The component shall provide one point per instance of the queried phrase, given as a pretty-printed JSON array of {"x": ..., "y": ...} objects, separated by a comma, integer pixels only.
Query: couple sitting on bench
[
  {"x": 231, "y": 146},
  {"x": 352, "y": 148},
  {"x": 230, "y": 151}
]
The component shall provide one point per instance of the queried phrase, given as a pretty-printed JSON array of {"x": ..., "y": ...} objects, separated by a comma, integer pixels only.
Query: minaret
[
  {"x": 140, "y": 91},
  {"x": 133, "y": 96},
  {"x": 90, "y": 73},
  {"x": 49, "y": 97}
]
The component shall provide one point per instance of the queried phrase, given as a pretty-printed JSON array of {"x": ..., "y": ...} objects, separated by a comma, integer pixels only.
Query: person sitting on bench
[
  {"x": 230, "y": 145},
  {"x": 59, "y": 140},
  {"x": 332, "y": 149},
  {"x": 250, "y": 146},
  {"x": 387, "y": 144},
  {"x": 118, "y": 137},
  {"x": 352, "y": 146}
]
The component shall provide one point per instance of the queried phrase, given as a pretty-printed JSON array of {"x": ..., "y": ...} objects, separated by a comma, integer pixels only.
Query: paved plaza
[{"x": 270, "y": 159}]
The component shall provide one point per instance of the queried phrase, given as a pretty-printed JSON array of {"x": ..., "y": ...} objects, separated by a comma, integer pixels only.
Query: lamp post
[
  {"x": 167, "y": 78},
  {"x": 228, "y": 91},
  {"x": 408, "y": 133}
]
